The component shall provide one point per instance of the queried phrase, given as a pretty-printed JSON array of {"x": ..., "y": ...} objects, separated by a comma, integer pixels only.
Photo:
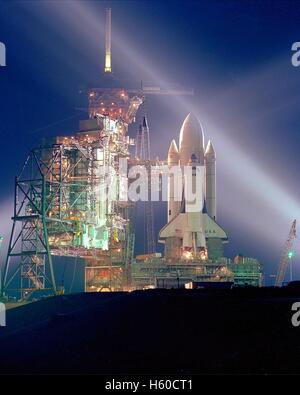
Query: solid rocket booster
[
  {"x": 173, "y": 202},
  {"x": 210, "y": 180},
  {"x": 107, "y": 66}
]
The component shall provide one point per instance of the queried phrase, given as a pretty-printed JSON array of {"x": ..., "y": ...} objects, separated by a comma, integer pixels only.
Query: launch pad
[
  {"x": 163, "y": 273},
  {"x": 68, "y": 203}
]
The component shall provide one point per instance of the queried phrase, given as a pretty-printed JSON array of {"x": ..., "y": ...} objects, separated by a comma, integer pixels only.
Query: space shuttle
[{"x": 191, "y": 231}]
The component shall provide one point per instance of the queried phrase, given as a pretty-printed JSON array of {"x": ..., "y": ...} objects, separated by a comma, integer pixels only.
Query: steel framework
[
  {"x": 284, "y": 257},
  {"x": 29, "y": 236}
]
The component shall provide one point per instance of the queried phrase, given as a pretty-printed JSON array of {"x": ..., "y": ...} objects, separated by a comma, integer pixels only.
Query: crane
[
  {"x": 1, "y": 240},
  {"x": 285, "y": 255}
]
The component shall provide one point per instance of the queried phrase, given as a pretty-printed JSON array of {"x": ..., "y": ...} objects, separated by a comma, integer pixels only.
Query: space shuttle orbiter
[{"x": 192, "y": 230}]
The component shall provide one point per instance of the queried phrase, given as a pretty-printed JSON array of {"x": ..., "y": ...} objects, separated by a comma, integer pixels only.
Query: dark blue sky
[{"x": 235, "y": 54}]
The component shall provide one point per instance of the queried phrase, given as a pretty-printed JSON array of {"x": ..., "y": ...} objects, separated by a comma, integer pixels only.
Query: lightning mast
[{"x": 107, "y": 65}]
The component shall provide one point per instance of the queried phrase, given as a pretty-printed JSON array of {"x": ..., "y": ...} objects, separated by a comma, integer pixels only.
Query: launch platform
[{"x": 72, "y": 201}]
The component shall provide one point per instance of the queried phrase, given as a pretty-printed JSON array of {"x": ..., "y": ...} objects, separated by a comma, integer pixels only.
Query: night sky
[{"x": 235, "y": 54}]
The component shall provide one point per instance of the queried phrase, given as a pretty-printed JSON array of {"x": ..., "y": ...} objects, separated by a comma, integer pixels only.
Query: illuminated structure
[
  {"x": 61, "y": 202},
  {"x": 152, "y": 272},
  {"x": 62, "y": 207}
]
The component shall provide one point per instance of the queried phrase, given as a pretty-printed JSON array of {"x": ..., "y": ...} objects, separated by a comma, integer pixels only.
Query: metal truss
[{"x": 28, "y": 245}]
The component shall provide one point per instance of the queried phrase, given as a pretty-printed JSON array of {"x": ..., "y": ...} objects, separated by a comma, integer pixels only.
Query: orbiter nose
[{"x": 191, "y": 140}]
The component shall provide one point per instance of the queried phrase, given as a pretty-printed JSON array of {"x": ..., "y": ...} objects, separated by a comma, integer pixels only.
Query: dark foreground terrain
[{"x": 157, "y": 331}]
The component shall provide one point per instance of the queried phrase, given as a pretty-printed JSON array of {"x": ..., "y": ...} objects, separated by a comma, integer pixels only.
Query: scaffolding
[
  {"x": 67, "y": 202},
  {"x": 29, "y": 242},
  {"x": 169, "y": 273}
]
